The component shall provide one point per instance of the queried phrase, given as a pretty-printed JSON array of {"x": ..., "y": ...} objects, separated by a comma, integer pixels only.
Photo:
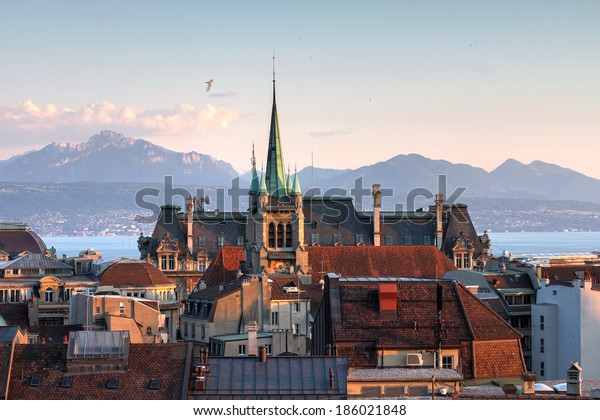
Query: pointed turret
[
  {"x": 262, "y": 190},
  {"x": 254, "y": 185},
  {"x": 295, "y": 187},
  {"x": 275, "y": 173}
]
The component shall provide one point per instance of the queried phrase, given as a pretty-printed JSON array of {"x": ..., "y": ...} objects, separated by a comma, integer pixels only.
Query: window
[
  {"x": 112, "y": 383},
  {"x": 269, "y": 348},
  {"x": 202, "y": 265},
  {"x": 389, "y": 240},
  {"x": 203, "y": 332},
  {"x": 275, "y": 318},
  {"x": 426, "y": 240},
  {"x": 288, "y": 235},
  {"x": 66, "y": 382},
  {"x": 296, "y": 307},
  {"x": 49, "y": 295},
  {"x": 193, "y": 330},
  {"x": 171, "y": 262},
  {"x": 280, "y": 235},
  {"x": 314, "y": 239},
  {"x": 296, "y": 328},
  {"x": 154, "y": 384},
  {"x": 35, "y": 380},
  {"x": 408, "y": 240},
  {"x": 163, "y": 262},
  {"x": 97, "y": 310},
  {"x": 240, "y": 240},
  {"x": 447, "y": 362},
  {"x": 542, "y": 369},
  {"x": 526, "y": 342},
  {"x": 242, "y": 350},
  {"x": 185, "y": 329},
  {"x": 271, "y": 235},
  {"x": 143, "y": 295},
  {"x": 554, "y": 292},
  {"x": 337, "y": 238},
  {"x": 149, "y": 330},
  {"x": 541, "y": 345},
  {"x": 220, "y": 240},
  {"x": 201, "y": 240},
  {"x": 541, "y": 322},
  {"x": 67, "y": 295},
  {"x": 121, "y": 308}
]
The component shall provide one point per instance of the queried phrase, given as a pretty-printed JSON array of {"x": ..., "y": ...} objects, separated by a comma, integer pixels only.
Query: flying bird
[{"x": 209, "y": 84}]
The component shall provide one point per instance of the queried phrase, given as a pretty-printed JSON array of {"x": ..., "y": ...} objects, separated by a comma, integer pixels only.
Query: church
[{"x": 281, "y": 225}]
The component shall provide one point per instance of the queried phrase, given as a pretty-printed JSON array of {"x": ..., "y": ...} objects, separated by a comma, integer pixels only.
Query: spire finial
[
  {"x": 273, "y": 66},
  {"x": 253, "y": 160}
]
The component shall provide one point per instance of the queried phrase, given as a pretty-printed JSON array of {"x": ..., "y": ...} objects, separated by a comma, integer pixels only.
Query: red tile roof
[
  {"x": 568, "y": 272},
  {"x": 498, "y": 358},
  {"x": 378, "y": 261},
  {"x": 165, "y": 362},
  {"x": 133, "y": 273},
  {"x": 225, "y": 265},
  {"x": 465, "y": 319}
]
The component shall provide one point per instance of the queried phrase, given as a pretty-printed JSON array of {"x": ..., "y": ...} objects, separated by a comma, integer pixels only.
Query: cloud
[
  {"x": 319, "y": 134},
  {"x": 29, "y": 117},
  {"x": 223, "y": 94}
]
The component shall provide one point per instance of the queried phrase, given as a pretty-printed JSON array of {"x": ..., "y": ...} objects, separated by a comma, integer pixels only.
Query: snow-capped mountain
[{"x": 112, "y": 157}]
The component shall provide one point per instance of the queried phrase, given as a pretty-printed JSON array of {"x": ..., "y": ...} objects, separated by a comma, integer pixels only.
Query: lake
[{"x": 519, "y": 244}]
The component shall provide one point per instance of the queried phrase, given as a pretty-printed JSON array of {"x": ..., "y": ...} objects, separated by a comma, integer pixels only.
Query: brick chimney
[
  {"x": 376, "y": 217},
  {"x": 252, "y": 338},
  {"x": 388, "y": 301}
]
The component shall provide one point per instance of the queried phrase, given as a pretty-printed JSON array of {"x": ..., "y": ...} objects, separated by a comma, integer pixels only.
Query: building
[
  {"x": 565, "y": 328},
  {"x": 140, "y": 317},
  {"x": 97, "y": 365},
  {"x": 139, "y": 279},
  {"x": 261, "y": 378},
  {"x": 281, "y": 225},
  {"x": 16, "y": 238},
  {"x": 415, "y": 323}
]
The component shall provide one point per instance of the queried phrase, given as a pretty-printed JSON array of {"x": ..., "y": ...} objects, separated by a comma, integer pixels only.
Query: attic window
[
  {"x": 112, "y": 383},
  {"x": 66, "y": 382},
  {"x": 35, "y": 380},
  {"x": 154, "y": 384}
]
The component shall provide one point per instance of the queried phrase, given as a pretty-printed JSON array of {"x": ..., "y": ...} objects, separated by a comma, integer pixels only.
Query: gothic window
[
  {"x": 288, "y": 235},
  {"x": 280, "y": 235},
  {"x": 271, "y": 235}
]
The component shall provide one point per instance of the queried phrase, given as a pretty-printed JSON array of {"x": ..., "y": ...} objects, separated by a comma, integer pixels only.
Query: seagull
[{"x": 209, "y": 84}]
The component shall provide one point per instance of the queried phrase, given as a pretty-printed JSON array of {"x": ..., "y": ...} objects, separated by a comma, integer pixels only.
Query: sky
[{"x": 358, "y": 82}]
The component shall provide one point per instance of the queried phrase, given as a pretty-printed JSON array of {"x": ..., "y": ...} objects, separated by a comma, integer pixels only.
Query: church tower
[{"x": 275, "y": 229}]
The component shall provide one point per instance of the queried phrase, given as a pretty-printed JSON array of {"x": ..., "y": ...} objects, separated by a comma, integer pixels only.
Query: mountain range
[{"x": 112, "y": 157}]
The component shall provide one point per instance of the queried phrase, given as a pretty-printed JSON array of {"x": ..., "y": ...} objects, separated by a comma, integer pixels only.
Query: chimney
[
  {"x": 252, "y": 338},
  {"x": 331, "y": 378},
  {"x": 388, "y": 301},
  {"x": 262, "y": 354},
  {"x": 376, "y": 218},
  {"x": 189, "y": 205},
  {"x": 574, "y": 379},
  {"x": 439, "y": 230}
]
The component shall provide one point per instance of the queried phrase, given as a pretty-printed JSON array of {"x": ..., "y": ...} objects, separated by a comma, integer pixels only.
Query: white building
[{"x": 564, "y": 329}]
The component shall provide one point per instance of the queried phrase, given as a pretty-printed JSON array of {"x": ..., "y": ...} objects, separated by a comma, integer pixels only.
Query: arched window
[
  {"x": 280, "y": 234},
  {"x": 271, "y": 235},
  {"x": 149, "y": 331},
  {"x": 49, "y": 295},
  {"x": 288, "y": 235}
]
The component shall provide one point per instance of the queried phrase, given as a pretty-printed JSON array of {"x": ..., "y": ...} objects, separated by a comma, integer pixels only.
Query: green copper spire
[
  {"x": 295, "y": 189},
  {"x": 262, "y": 190},
  {"x": 275, "y": 173},
  {"x": 254, "y": 185},
  {"x": 288, "y": 181}
]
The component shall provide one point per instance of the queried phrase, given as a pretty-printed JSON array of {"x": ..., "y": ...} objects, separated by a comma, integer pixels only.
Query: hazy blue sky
[{"x": 357, "y": 82}]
